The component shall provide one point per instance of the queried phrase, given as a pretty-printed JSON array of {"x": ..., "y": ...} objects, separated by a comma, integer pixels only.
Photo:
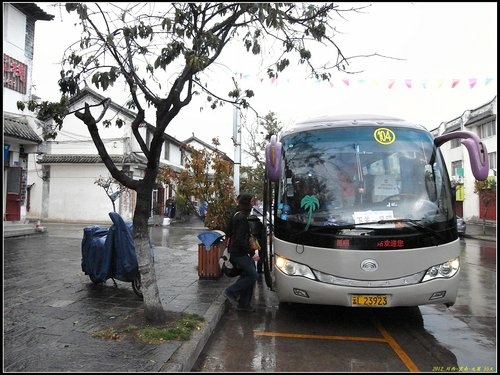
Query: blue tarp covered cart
[{"x": 110, "y": 253}]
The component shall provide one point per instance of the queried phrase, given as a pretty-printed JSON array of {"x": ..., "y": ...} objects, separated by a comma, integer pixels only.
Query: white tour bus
[{"x": 362, "y": 213}]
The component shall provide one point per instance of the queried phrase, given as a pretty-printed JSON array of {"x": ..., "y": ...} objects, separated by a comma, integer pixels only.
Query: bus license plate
[{"x": 369, "y": 300}]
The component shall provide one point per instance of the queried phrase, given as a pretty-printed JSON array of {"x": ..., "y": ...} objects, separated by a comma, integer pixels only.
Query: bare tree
[
  {"x": 112, "y": 188},
  {"x": 162, "y": 52},
  {"x": 257, "y": 134}
]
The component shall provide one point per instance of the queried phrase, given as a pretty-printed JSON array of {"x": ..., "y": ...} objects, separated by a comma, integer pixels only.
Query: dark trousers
[{"x": 243, "y": 286}]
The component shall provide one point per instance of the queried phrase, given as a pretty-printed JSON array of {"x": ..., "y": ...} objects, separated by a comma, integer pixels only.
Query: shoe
[
  {"x": 231, "y": 298},
  {"x": 246, "y": 308}
]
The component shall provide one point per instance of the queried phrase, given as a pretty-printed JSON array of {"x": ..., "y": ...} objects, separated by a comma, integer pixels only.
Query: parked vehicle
[
  {"x": 461, "y": 226},
  {"x": 110, "y": 253},
  {"x": 362, "y": 213}
]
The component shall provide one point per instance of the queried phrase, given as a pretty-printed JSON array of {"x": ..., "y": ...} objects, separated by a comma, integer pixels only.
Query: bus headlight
[
  {"x": 293, "y": 269},
  {"x": 444, "y": 270}
]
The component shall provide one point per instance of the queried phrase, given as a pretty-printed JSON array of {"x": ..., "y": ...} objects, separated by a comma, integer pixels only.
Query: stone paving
[{"x": 51, "y": 307}]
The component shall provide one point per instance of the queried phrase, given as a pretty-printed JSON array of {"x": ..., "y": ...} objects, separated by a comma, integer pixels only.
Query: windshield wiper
[
  {"x": 417, "y": 224},
  {"x": 333, "y": 228}
]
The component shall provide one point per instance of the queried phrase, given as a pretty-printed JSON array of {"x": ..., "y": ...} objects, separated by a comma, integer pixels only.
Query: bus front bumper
[{"x": 302, "y": 290}]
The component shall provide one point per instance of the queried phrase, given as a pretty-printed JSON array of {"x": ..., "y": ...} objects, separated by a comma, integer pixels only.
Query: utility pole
[{"x": 237, "y": 149}]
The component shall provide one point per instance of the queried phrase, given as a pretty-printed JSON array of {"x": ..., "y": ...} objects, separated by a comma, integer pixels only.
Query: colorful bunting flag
[{"x": 390, "y": 83}]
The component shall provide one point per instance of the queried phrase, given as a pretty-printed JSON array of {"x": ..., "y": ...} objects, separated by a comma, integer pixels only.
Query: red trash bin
[{"x": 208, "y": 261}]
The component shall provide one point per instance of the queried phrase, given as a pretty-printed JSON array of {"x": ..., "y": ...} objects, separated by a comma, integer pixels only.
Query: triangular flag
[
  {"x": 472, "y": 82},
  {"x": 330, "y": 83},
  {"x": 454, "y": 83},
  {"x": 391, "y": 83},
  {"x": 488, "y": 81},
  {"x": 408, "y": 83},
  {"x": 346, "y": 81}
]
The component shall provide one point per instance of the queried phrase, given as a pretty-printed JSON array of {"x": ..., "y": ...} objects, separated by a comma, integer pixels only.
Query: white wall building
[
  {"x": 20, "y": 140},
  {"x": 63, "y": 178},
  {"x": 481, "y": 121}
]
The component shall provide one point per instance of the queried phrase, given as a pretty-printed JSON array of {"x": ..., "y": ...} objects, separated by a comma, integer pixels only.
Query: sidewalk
[
  {"x": 476, "y": 231},
  {"x": 51, "y": 307}
]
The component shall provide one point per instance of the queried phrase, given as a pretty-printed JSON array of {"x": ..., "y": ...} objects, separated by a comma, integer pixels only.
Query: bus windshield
[{"x": 354, "y": 176}]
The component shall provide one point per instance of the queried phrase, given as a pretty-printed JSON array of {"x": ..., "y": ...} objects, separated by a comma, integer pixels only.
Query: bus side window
[
  {"x": 430, "y": 183},
  {"x": 289, "y": 183}
]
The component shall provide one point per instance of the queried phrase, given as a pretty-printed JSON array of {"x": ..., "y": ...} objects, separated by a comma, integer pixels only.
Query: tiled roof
[
  {"x": 33, "y": 10},
  {"x": 18, "y": 127},
  {"x": 131, "y": 159},
  {"x": 89, "y": 159}
]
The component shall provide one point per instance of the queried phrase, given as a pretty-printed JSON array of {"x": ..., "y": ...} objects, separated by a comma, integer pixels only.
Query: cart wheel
[
  {"x": 94, "y": 280},
  {"x": 136, "y": 285}
]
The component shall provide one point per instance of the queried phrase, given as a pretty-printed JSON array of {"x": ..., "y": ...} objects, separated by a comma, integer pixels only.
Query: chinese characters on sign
[
  {"x": 14, "y": 74},
  {"x": 395, "y": 244},
  {"x": 372, "y": 216}
]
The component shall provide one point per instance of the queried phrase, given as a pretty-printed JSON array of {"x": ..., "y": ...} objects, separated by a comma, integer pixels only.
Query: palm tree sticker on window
[{"x": 311, "y": 204}]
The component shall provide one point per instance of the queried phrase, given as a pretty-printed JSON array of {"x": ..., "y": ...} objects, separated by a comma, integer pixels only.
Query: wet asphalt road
[{"x": 311, "y": 338}]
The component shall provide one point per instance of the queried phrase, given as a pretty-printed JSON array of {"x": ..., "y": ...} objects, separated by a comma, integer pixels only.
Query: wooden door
[{"x": 13, "y": 205}]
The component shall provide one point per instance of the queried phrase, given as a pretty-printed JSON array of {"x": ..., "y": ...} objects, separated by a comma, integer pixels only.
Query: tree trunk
[{"x": 153, "y": 308}]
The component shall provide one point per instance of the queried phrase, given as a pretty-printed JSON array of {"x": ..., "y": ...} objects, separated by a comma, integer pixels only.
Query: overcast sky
[{"x": 447, "y": 52}]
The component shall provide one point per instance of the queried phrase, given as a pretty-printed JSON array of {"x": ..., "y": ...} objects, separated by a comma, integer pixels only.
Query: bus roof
[{"x": 349, "y": 120}]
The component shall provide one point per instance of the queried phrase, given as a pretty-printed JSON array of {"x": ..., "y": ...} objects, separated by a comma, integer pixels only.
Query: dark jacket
[{"x": 239, "y": 232}]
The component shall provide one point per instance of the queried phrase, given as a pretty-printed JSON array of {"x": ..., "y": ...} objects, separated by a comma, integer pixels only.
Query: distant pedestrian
[
  {"x": 240, "y": 292},
  {"x": 203, "y": 210},
  {"x": 170, "y": 208}
]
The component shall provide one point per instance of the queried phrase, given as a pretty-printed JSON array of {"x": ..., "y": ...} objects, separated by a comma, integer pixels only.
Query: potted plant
[{"x": 487, "y": 198}]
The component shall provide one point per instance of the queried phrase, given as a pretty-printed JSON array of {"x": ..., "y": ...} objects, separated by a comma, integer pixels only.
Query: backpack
[
  {"x": 255, "y": 227},
  {"x": 227, "y": 267}
]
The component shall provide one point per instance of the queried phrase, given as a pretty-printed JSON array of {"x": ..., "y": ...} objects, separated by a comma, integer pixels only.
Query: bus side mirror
[
  {"x": 273, "y": 159},
  {"x": 476, "y": 148}
]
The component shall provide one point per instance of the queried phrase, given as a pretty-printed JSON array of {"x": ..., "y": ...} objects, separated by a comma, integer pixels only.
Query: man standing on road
[{"x": 240, "y": 292}]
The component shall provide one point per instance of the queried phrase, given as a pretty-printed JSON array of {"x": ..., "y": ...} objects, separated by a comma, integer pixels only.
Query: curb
[
  {"x": 185, "y": 357},
  {"x": 484, "y": 237}
]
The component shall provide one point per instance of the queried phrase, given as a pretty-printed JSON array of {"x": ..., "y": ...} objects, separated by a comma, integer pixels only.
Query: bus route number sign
[{"x": 368, "y": 300}]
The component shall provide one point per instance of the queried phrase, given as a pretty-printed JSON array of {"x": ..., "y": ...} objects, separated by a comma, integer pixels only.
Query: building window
[
  {"x": 183, "y": 157},
  {"x": 166, "y": 147},
  {"x": 492, "y": 160},
  {"x": 455, "y": 142},
  {"x": 14, "y": 74},
  {"x": 486, "y": 130},
  {"x": 457, "y": 168}
]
